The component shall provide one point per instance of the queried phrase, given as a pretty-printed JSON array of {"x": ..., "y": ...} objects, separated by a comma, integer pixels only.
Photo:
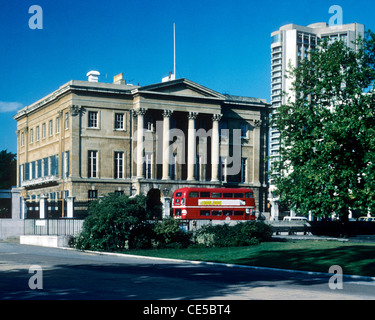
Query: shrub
[
  {"x": 169, "y": 234},
  {"x": 241, "y": 234},
  {"x": 114, "y": 223}
]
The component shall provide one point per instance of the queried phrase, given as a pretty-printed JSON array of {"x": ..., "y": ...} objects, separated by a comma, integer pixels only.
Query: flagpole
[{"x": 174, "y": 50}]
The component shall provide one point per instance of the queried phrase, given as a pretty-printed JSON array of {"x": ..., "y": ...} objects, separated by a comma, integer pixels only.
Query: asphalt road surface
[{"x": 71, "y": 275}]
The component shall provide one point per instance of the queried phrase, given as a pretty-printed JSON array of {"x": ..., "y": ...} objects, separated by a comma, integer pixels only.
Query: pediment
[{"x": 182, "y": 87}]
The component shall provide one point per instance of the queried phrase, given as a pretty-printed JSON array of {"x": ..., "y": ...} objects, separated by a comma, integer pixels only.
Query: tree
[
  {"x": 115, "y": 223},
  {"x": 8, "y": 169},
  {"x": 327, "y": 156}
]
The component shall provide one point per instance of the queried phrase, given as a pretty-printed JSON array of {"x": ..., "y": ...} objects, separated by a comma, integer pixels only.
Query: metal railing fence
[{"x": 53, "y": 227}]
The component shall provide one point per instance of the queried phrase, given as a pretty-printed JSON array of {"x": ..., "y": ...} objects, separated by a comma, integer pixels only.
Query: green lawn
[{"x": 354, "y": 258}]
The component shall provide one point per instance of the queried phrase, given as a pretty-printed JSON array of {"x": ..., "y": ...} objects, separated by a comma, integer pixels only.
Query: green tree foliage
[
  {"x": 169, "y": 234},
  {"x": 327, "y": 155},
  {"x": 8, "y": 169},
  {"x": 115, "y": 223}
]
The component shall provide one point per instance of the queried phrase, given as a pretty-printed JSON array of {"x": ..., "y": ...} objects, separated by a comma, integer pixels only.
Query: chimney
[
  {"x": 93, "y": 76},
  {"x": 170, "y": 77},
  {"x": 119, "y": 79}
]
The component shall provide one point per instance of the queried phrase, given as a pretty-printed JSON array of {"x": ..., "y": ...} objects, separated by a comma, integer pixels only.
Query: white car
[{"x": 288, "y": 218}]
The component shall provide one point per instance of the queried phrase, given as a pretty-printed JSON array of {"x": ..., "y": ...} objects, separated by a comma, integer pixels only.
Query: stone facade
[{"x": 88, "y": 139}]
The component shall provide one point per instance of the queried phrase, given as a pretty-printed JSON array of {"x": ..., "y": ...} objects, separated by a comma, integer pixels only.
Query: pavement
[{"x": 72, "y": 275}]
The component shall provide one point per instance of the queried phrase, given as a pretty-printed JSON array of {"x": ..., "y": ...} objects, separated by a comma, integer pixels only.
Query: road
[{"x": 70, "y": 275}]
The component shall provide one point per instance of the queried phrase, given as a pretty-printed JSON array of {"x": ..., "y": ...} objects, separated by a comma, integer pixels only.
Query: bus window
[
  {"x": 249, "y": 195},
  {"x": 205, "y": 212},
  {"x": 216, "y": 195},
  {"x": 205, "y": 194},
  {"x": 238, "y": 213},
  {"x": 227, "y": 212},
  {"x": 177, "y": 212},
  {"x": 216, "y": 213},
  {"x": 238, "y": 195},
  {"x": 228, "y": 195},
  {"x": 193, "y": 194},
  {"x": 178, "y": 194}
]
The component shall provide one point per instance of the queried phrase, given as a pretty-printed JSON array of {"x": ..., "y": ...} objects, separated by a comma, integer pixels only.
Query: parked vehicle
[
  {"x": 288, "y": 218},
  {"x": 370, "y": 219}
]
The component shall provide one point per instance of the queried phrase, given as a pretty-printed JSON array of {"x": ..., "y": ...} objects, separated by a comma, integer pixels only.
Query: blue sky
[{"x": 223, "y": 45}]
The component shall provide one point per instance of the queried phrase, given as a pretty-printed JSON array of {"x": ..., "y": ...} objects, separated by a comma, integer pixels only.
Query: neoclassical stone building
[{"x": 88, "y": 139}]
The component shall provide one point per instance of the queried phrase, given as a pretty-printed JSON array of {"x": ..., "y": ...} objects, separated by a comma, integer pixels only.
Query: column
[
  {"x": 215, "y": 148},
  {"x": 42, "y": 207},
  {"x": 70, "y": 204},
  {"x": 166, "y": 140},
  {"x": 257, "y": 124},
  {"x": 140, "y": 143},
  {"x": 24, "y": 207},
  {"x": 191, "y": 146},
  {"x": 16, "y": 203}
]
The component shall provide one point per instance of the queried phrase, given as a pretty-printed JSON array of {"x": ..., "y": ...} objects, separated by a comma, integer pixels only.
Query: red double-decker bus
[{"x": 214, "y": 203}]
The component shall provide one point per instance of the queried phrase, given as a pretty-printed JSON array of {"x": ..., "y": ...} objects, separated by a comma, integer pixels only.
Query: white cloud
[{"x": 10, "y": 106}]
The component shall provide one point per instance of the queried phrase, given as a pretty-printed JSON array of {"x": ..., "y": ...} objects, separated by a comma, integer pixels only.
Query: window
[
  {"x": 216, "y": 195},
  {"x": 119, "y": 121},
  {"x": 244, "y": 128},
  {"x": 148, "y": 163},
  {"x": 238, "y": 213},
  {"x": 228, "y": 195},
  {"x": 92, "y": 164},
  {"x": 43, "y": 130},
  {"x": 344, "y": 38},
  {"x": 249, "y": 195},
  {"x": 66, "y": 164},
  {"x": 33, "y": 170},
  {"x": 217, "y": 213},
  {"x": 193, "y": 194},
  {"x": 276, "y": 38},
  {"x": 238, "y": 195},
  {"x": 39, "y": 165},
  {"x": 223, "y": 129},
  {"x": 57, "y": 124},
  {"x": 227, "y": 213},
  {"x": 66, "y": 120},
  {"x": 37, "y": 133},
  {"x": 150, "y": 126},
  {"x": 223, "y": 169},
  {"x": 93, "y": 119},
  {"x": 93, "y": 194},
  {"x": 243, "y": 169},
  {"x": 50, "y": 129},
  {"x": 172, "y": 167},
  {"x": 119, "y": 165},
  {"x": 205, "y": 213},
  {"x": 205, "y": 194},
  {"x": 31, "y": 135},
  {"x": 54, "y": 165},
  {"x": 197, "y": 167},
  {"x": 46, "y": 167}
]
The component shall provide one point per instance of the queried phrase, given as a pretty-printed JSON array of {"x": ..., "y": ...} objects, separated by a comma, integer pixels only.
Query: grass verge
[{"x": 354, "y": 258}]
